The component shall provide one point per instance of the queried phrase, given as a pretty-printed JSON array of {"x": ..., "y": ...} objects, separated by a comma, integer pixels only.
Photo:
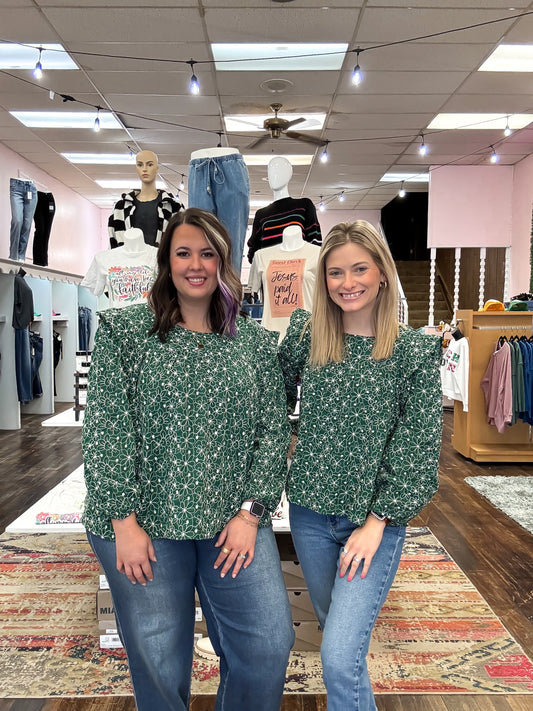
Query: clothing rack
[{"x": 472, "y": 436}]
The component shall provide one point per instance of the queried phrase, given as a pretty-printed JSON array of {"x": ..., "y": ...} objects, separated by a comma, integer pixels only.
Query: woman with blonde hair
[
  {"x": 366, "y": 457},
  {"x": 184, "y": 444}
]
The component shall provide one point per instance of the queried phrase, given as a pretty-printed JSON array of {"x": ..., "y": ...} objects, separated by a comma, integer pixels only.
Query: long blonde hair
[{"x": 327, "y": 331}]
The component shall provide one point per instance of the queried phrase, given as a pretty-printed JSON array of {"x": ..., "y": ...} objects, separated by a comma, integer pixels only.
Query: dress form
[
  {"x": 134, "y": 241},
  {"x": 292, "y": 238},
  {"x": 279, "y": 175},
  {"x": 214, "y": 152}
]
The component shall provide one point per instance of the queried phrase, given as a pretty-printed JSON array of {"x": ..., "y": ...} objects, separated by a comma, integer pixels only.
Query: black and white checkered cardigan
[{"x": 120, "y": 219}]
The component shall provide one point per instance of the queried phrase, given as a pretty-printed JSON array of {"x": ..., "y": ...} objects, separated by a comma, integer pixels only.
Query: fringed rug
[
  {"x": 511, "y": 494},
  {"x": 435, "y": 633}
]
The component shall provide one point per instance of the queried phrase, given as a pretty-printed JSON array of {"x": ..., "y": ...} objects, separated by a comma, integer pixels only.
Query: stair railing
[{"x": 403, "y": 308}]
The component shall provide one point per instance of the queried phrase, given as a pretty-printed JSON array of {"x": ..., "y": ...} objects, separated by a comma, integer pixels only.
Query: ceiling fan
[{"x": 276, "y": 126}]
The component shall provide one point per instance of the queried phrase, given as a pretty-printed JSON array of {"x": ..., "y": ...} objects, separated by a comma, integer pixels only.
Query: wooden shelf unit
[{"x": 472, "y": 436}]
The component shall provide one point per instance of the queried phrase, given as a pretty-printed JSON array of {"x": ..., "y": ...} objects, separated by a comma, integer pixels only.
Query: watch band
[
  {"x": 380, "y": 517},
  {"x": 254, "y": 507}
]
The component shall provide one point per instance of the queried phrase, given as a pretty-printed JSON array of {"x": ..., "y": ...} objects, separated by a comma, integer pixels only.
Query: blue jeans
[
  {"x": 84, "y": 327},
  {"x": 248, "y": 620},
  {"x": 23, "y": 196},
  {"x": 347, "y": 611},
  {"x": 221, "y": 185},
  {"x": 23, "y": 365}
]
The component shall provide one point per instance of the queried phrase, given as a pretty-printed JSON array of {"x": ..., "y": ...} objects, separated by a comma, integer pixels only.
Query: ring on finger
[
  {"x": 242, "y": 555},
  {"x": 357, "y": 560},
  {"x": 226, "y": 550},
  {"x": 344, "y": 551}
]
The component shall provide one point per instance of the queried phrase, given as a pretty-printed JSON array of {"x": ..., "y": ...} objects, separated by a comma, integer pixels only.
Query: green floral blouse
[
  {"x": 369, "y": 433},
  {"x": 181, "y": 432}
]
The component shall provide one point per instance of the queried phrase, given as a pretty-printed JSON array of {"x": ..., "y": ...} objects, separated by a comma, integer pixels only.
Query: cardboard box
[
  {"x": 104, "y": 605},
  {"x": 308, "y": 637},
  {"x": 293, "y": 576},
  {"x": 301, "y": 606}
]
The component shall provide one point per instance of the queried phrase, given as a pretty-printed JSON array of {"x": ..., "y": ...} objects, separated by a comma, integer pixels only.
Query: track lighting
[
  {"x": 494, "y": 157},
  {"x": 341, "y": 196},
  {"x": 96, "y": 127},
  {"x": 401, "y": 191},
  {"x": 422, "y": 149},
  {"x": 38, "y": 71},
  {"x": 321, "y": 206},
  {"x": 182, "y": 184},
  {"x": 324, "y": 155},
  {"x": 194, "y": 84},
  {"x": 357, "y": 74},
  {"x": 507, "y": 130}
]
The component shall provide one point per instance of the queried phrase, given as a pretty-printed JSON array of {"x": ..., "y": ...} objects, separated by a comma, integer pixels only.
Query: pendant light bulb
[
  {"x": 38, "y": 71},
  {"x": 341, "y": 196},
  {"x": 182, "y": 184},
  {"x": 494, "y": 157},
  {"x": 321, "y": 206},
  {"x": 507, "y": 130},
  {"x": 423, "y": 149},
  {"x": 96, "y": 127},
  {"x": 194, "y": 84},
  {"x": 357, "y": 74},
  {"x": 401, "y": 191},
  {"x": 324, "y": 155}
]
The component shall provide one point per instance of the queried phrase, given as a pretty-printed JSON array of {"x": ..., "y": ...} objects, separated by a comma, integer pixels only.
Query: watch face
[{"x": 257, "y": 509}]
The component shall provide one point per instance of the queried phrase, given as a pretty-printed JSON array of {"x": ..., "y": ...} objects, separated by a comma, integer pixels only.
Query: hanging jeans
[
  {"x": 23, "y": 196},
  {"x": 84, "y": 327},
  {"x": 36, "y": 346},
  {"x": 221, "y": 185},
  {"x": 44, "y": 216},
  {"x": 23, "y": 368}
]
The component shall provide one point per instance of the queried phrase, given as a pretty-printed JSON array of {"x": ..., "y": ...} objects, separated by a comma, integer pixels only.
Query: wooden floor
[{"x": 494, "y": 552}]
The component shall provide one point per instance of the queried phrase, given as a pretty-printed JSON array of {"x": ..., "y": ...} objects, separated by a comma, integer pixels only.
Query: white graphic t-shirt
[{"x": 126, "y": 276}]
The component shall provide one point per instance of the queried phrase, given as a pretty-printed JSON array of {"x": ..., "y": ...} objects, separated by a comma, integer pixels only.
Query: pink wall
[
  {"x": 470, "y": 206},
  {"x": 79, "y": 228},
  {"x": 330, "y": 218},
  {"x": 522, "y": 209}
]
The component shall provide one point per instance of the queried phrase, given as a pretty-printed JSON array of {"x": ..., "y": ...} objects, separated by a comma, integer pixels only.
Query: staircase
[{"x": 414, "y": 277}]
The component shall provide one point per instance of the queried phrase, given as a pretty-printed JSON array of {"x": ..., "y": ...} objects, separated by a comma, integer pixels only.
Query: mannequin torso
[{"x": 292, "y": 238}]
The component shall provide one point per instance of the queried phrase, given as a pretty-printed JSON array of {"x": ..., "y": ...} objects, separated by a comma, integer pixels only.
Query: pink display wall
[
  {"x": 522, "y": 209},
  {"x": 330, "y": 218},
  {"x": 79, "y": 227}
]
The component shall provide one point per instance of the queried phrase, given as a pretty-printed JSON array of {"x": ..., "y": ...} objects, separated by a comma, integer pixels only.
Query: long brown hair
[
  {"x": 226, "y": 300},
  {"x": 327, "y": 331}
]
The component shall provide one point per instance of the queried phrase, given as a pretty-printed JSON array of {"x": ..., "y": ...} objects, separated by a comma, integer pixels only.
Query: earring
[{"x": 383, "y": 284}]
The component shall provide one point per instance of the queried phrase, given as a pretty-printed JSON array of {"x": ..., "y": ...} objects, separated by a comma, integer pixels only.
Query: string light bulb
[
  {"x": 321, "y": 205},
  {"x": 38, "y": 71},
  {"x": 401, "y": 191},
  {"x": 194, "y": 84},
  {"x": 507, "y": 130},
  {"x": 96, "y": 127},
  {"x": 494, "y": 157},
  {"x": 324, "y": 157},
  {"x": 182, "y": 184},
  {"x": 341, "y": 197},
  {"x": 423, "y": 149},
  {"x": 357, "y": 74}
]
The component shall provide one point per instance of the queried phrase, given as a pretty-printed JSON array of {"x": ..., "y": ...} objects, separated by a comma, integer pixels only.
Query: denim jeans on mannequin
[
  {"x": 84, "y": 327},
  {"x": 43, "y": 217},
  {"x": 221, "y": 185},
  {"x": 248, "y": 620},
  {"x": 347, "y": 611},
  {"x": 23, "y": 197},
  {"x": 23, "y": 365}
]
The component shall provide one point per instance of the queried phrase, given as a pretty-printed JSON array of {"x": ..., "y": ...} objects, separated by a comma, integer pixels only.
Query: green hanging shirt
[
  {"x": 181, "y": 432},
  {"x": 369, "y": 433}
]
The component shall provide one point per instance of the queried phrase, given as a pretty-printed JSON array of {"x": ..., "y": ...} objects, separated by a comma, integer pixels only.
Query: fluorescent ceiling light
[
  {"x": 17, "y": 56},
  {"x": 481, "y": 121},
  {"x": 259, "y": 203},
  {"x": 127, "y": 184},
  {"x": 510, "y": 58},
  {"x": 65, "y": 119},
  {"x": 100, "y": 158},
  {"x": 254, "y": 122},
  {"x": 264, "y": 159},
  {"x": 280, "y": 57},
  {"x": 405, "y": 177}
]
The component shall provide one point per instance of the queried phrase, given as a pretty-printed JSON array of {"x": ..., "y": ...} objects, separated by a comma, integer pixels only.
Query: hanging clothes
[
  {"x": 497, "y": 387},
  {"x": 454, "y": 371}
]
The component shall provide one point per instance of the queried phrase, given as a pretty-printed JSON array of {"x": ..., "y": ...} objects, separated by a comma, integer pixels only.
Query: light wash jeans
[
  {"x": 221, "y": 185},
  {"x": 347, "y": 611},
  {"x": 23, "y": 197},
  {"x": 248, "y": 620}
]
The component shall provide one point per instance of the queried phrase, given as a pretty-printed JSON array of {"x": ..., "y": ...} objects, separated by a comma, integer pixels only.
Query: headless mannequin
[
  {"x": 292, "y": 238},
  {"x": 147, "y": 165},
  {"x": 134, "y": 241},
  {"x": 215, "y": 152},
  {"x": 279, "y": 175}
]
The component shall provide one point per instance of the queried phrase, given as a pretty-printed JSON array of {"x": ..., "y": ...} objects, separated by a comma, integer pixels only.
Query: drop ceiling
[{"x": 371, "y": 129}]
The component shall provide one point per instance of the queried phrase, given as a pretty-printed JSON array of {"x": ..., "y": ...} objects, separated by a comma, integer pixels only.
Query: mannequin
[
  {"x": 219, "y": 183},
  {"x": 23, "y": 199},
  {"x": 126, "y": 273},
  {"x": 285, "y": 211},
  {"x": 286, "y": 275},
  {"x": 148, "y": 209}
]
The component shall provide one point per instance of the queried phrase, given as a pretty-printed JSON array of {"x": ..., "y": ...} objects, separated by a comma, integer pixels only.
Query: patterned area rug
[
  {"x": 435, "y": 632},
  {"x": 511, "y": 494}
]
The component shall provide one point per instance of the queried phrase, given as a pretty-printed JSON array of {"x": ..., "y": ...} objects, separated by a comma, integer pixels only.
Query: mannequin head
[
  {"x": 279, "y": 173},
  {"x": 147, "y": 165}
]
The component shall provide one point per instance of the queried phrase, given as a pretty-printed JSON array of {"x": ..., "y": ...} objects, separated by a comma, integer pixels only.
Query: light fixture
[
  {"x": 357, "y": 74},
  {"x": 100, "y": 158},
  {"x": 194, "y": 84},
  {"x": 477, "y": 122},
  {"x": 507, "y": 130},
  {"x": 96, "y": 127},
  {"x": 265, "y": 158},
  {"x": 494, "y": 157},
  {"x": 182, "y": 184},
  {"x": 405, "y": 177},
  {"x": 422, "y": 149},
  {"x": 321, "y": 205},
  {"x": 401, "y": 191},
  {"x": 65, "y": 119},
  {"x": 20, "y": 56},
  {"x": 341, "y": 196},
  {"x": 324, "y": 157},
  {"x": 509, "y": 58},
  {"x": 279, "y": 56},
  {"x": 38, "y": 71},
  {"x": 255, "y": 122}
]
